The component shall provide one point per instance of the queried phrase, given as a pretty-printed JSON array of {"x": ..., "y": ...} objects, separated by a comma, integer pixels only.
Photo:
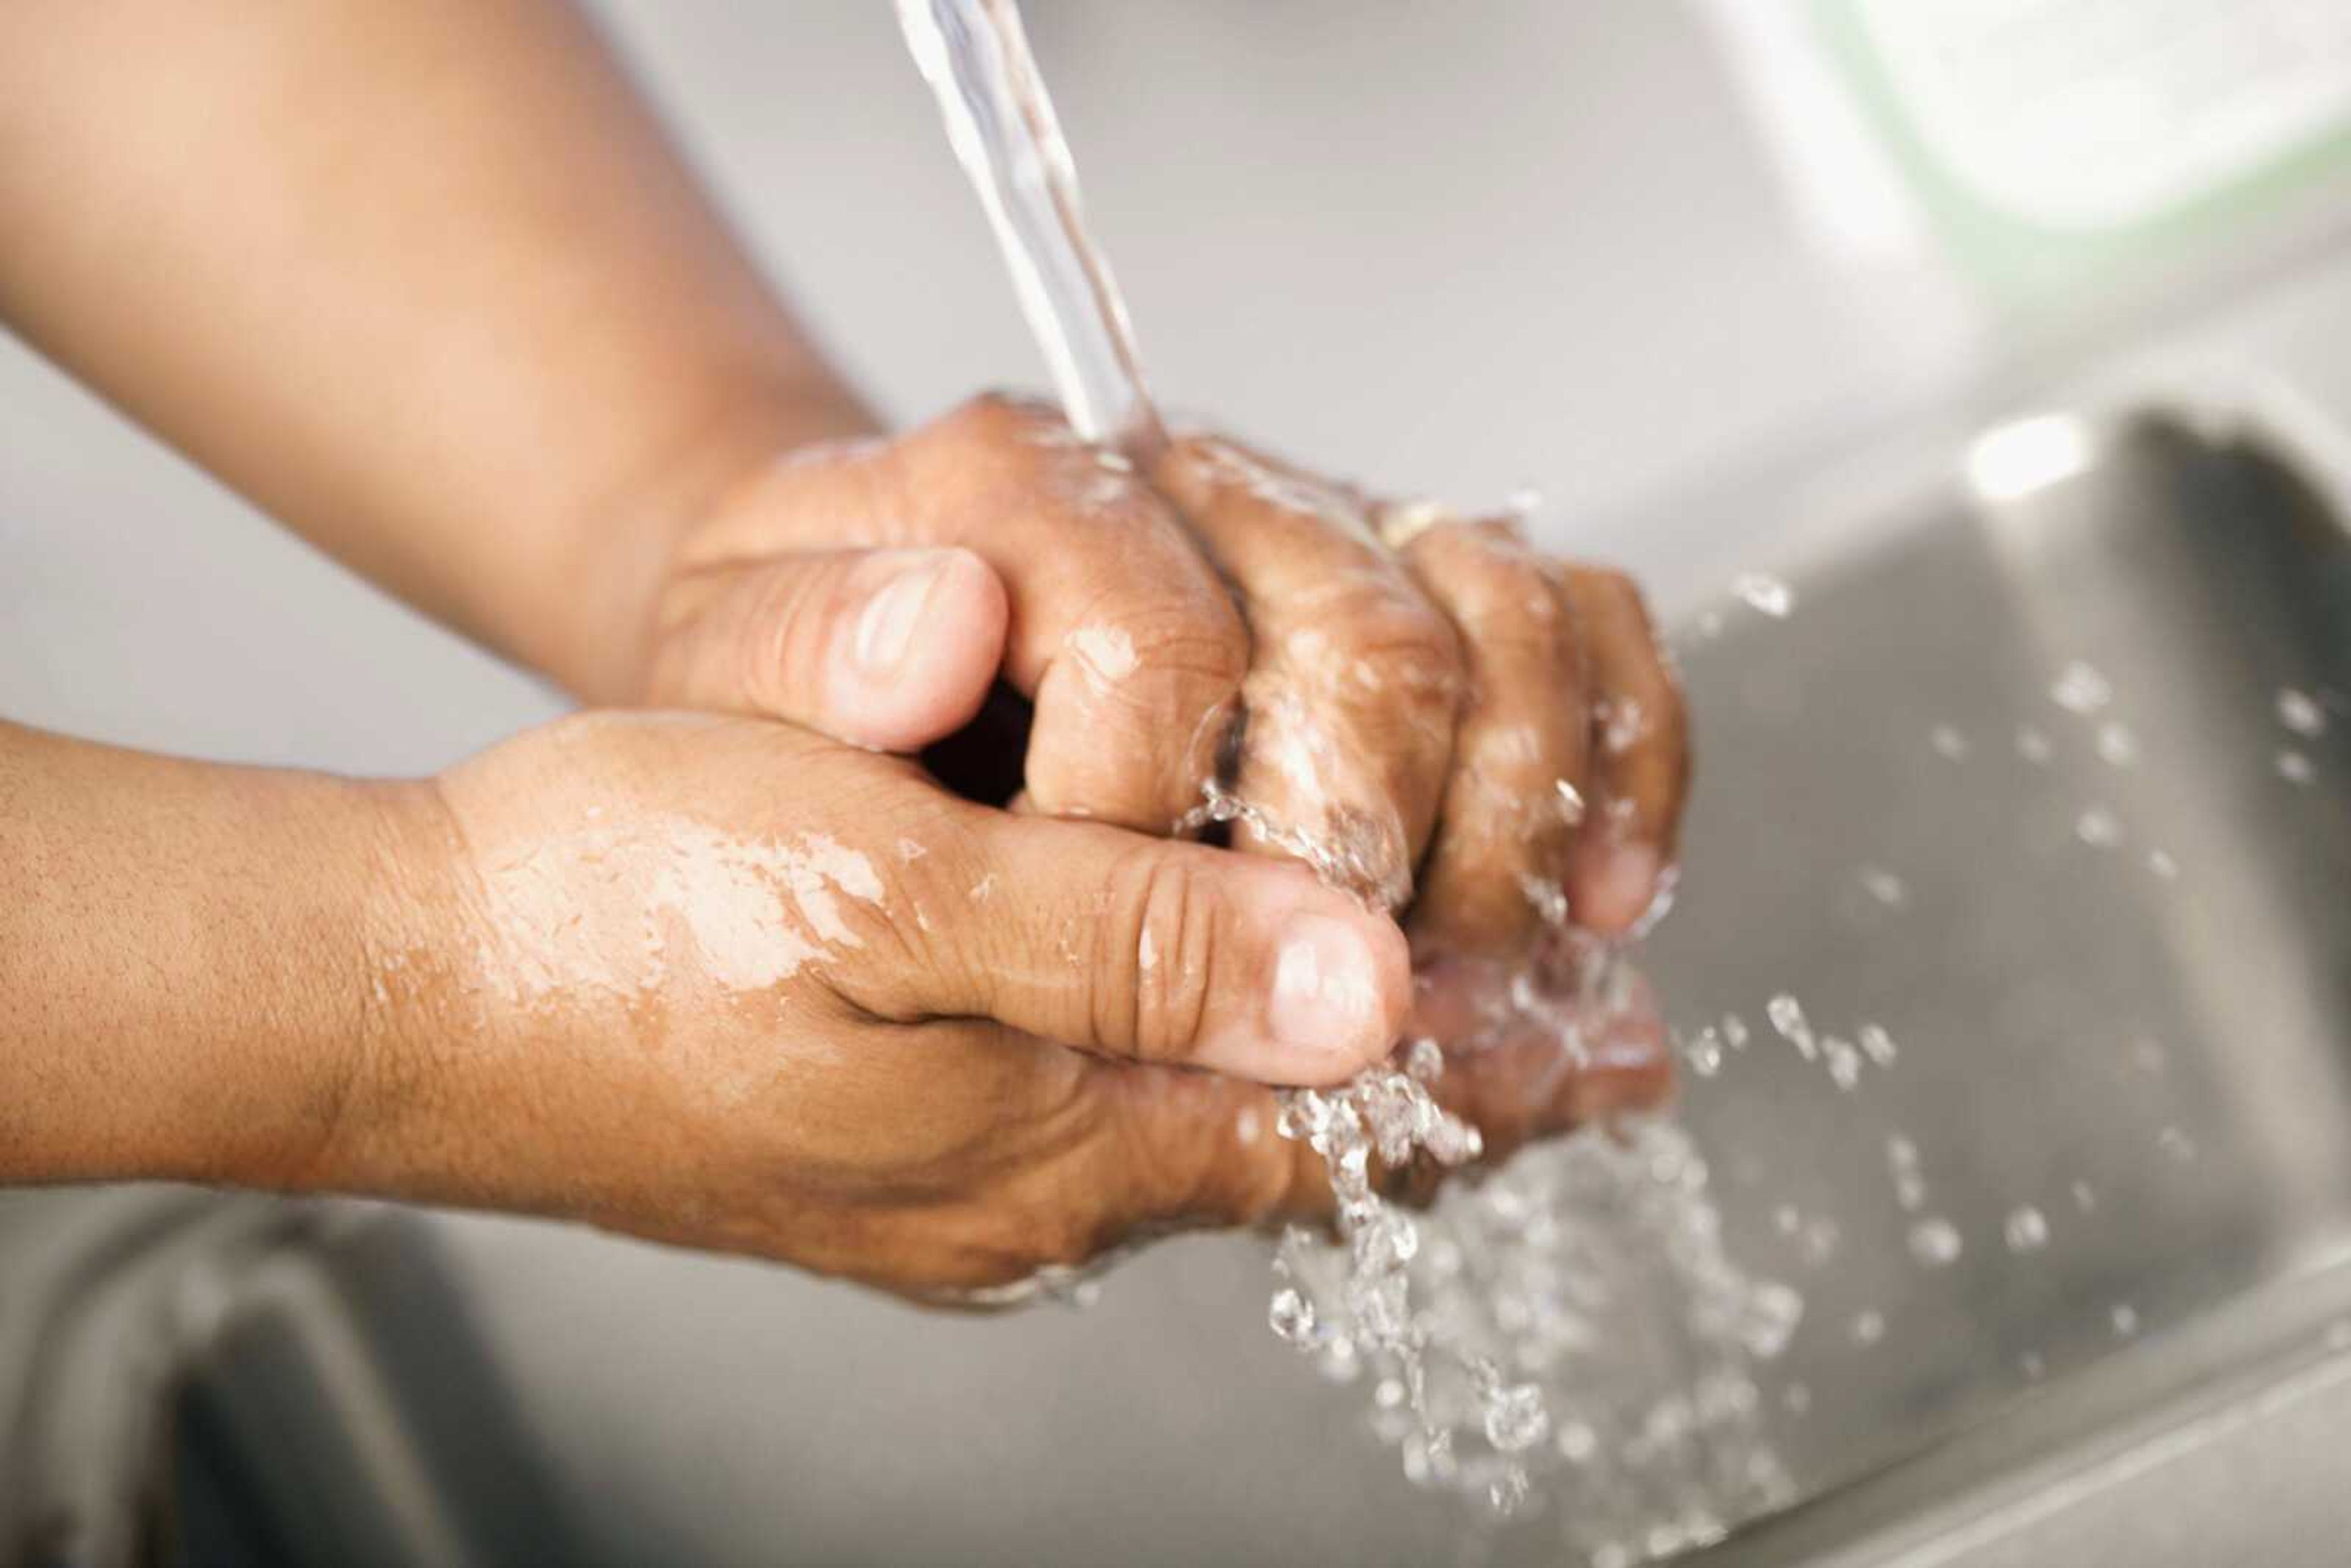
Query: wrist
[
  {"x": 410, "y": 969},
  {"x": 632, "y": 541}
]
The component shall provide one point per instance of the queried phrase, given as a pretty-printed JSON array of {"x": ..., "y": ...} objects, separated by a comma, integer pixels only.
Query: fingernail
[
  {"x": 885, "y": 627},
  {"x": 1325, "y": 987}
]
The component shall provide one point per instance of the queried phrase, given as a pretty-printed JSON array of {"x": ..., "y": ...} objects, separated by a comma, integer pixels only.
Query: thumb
[
  {"x": 886, "y": 648},
  {"x": 1162, "y": 951}
]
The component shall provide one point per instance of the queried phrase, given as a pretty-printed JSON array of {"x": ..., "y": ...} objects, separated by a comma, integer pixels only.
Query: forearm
[
  {"x": 425, "y": 280},
  {"x": 188, "y": 957}
]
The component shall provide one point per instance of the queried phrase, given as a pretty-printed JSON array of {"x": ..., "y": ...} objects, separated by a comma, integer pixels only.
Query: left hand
[{"x": 1465, "y": 716}]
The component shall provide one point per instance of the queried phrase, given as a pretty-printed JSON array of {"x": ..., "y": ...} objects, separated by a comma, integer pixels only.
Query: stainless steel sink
[
  {"x": 2121, "y": 997},
  {"x": 2120, "y": 979}
]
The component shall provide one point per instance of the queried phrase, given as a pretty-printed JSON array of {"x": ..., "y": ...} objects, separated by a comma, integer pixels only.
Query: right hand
[{"x": 725, "y": 983}]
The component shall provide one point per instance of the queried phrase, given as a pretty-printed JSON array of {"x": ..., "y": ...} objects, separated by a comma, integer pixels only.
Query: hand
[
  {"x": 1441, "y": 701},
  {"x": 728, "y": 984}
]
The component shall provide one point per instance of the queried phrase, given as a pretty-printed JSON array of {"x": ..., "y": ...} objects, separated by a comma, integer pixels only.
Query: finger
[
  {"x": 1536, "y": 1046},
  {"x": 1354, "y": 677},
  {"x": 1118, "y": 626},
  {"x": 884, "y": 648},
  {"x": 1532, "y": 1050},
  {"x": 1162, "y": 951},
  {"x": 1620, "y": 867},
  {"x": 1128, "y": 644},
  {"x": 1520, "y": 751},
  {"x": 1204, "y": 1150}
]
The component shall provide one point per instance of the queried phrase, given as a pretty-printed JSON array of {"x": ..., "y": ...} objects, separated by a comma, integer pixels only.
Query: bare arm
[
  {"x": 182, "y": 954},
  {"x": 423, "y": 280},
  {"x": 603, "y": 971}
]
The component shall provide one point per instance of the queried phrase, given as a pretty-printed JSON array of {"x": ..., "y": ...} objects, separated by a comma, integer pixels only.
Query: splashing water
[
  {"x": 2301, "y": 712},
  {"x": 1765, "y": 594},
  {"x": 975, "y": 54},
  {"x": 1567, "y": 1334},
  {"x": 1572, "y": 1316}
]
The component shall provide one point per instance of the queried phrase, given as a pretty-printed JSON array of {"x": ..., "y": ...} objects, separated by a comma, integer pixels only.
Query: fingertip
[
  {"x": 1614, "y": 887},
  {"x": 918, "y": 656},
  {"x": 1630, "y": 1066},
  {"x": 1335, "y": 984}
]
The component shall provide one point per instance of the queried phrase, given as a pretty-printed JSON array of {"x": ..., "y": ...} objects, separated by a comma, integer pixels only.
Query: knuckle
[
  {"x": 1415, "y": 643},
  {"x": 1497, "y": 584},
  {"x": 1187, "y": 637},
  {"x": 999, "y": 416},
  {"x": 927, "y": 929},
  {"x": 1158, "y": 987},
  {"x": 775, "y": 641}
]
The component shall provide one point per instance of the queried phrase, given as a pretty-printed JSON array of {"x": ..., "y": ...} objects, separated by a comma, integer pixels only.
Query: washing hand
[
  {"x": 856, "y": 1025},
  {"x": 1453, "y": 712},
  {"x": 864, "y": 1028}
]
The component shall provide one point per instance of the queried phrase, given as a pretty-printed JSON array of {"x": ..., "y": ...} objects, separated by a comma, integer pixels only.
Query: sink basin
[
  {"x": 2015, "y": 784},
  {"x": 2108, "y": 936}
]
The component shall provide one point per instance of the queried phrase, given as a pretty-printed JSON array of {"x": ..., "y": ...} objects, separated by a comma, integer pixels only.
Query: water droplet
[
  {"x": 1547, "y": 897},
  {"x": 2033, "y": 746},
  {"x": 1934, "y": 1242},
  {"x": 2080, "y": 689},
  {"x": 1869, "y": 1327},
  {"x": 2099, "y": 828},
  {"x": 2124, "y": 1317},
  {"x": 2160, "y": 862},
  {"x": 2295, "y": 768},
  {"x": 2027, "y": 1229},
  {"x": 1515, "y": 1418},
  {"x": 1787, "y": 1017},
  {"x": 2085, "y": 1198},
  {"x": 1844, "y": 1062},
  {"x": 1425, "y": 1061},
  {"x": 1507, "y": 1493},
  {"x": 1734, "y": 1032},
  {"x": 2177, "y": 1143},
  {"x": 1948, "y": 742},
  {"x": 1884, "y": 886},
  {"x": 1577, "y": 1442},
  {"x": 1704, "y": 1053},
  {"x": 1766, "y": 595},
  {"x": 2031, "y": 1366},
  {"x": 1291, "y": 1316},
  {"x": 2117, "y": 746},
  {"x": 2301, "y": 712},
  {"x": 1772, "y": 1312},
  {"x": 1877, "y": 1044}
]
